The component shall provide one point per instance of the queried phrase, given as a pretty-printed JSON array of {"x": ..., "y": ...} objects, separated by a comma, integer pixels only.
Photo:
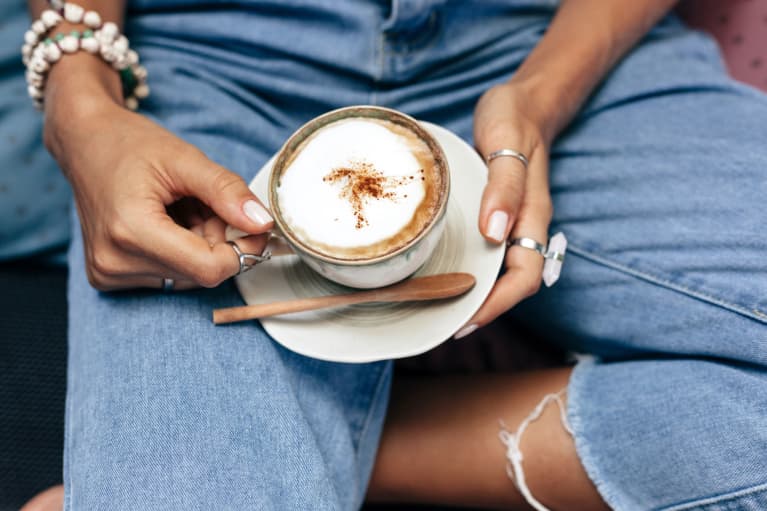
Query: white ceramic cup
[{"x": 377, "y": 271}]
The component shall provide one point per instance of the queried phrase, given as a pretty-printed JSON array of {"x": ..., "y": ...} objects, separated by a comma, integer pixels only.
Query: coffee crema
[{"x": 360, "y": 188}]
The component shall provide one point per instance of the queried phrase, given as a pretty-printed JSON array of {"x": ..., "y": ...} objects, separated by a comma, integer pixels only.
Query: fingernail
[
  {"x": 463, "y": 332},
  {"x": 496, "y": 225},
  {"x": 257, "y": 213}
]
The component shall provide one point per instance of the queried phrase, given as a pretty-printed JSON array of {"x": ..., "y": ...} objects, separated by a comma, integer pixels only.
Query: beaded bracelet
[{"x": 105, "y": 40}]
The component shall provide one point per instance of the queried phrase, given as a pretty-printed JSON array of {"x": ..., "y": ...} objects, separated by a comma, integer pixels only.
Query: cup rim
[{"x": 330, "y": 117}]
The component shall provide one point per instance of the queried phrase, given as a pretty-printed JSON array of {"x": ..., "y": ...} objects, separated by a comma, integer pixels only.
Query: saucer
[{"x": 370, "y": 332}]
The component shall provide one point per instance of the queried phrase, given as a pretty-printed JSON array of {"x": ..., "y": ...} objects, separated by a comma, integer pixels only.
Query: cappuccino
[{"x": 360, "y": 188}]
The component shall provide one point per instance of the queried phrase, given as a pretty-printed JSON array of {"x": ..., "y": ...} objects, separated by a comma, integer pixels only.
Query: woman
[{"x": 652, "y": 165}]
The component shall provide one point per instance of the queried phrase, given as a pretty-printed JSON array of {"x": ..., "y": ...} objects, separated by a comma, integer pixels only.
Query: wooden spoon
[{"x": 433, "y": 287}]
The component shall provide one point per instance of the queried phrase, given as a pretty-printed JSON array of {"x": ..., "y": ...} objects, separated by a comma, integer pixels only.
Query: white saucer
[{"x": 365, "y": 333}]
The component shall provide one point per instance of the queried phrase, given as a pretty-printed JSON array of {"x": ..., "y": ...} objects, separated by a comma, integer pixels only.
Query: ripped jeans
[{"x": 659, "y": 184}]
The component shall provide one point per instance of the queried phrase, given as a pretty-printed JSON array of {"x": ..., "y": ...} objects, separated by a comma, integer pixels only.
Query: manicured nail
[
  {"x": 496, "y": 225},
  {"x": 463, "y": 332},
  {"x": 257, "y": 213}
]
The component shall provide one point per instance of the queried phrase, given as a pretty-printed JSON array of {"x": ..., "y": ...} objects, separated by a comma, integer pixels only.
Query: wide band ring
[
  {"x": 510, "y": 153},
  {"x": 248, "y": 261},
  {"x": 528, "y": 243}
]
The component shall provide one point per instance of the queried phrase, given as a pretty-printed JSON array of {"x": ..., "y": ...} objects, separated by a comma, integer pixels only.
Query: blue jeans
[{"x": 658, "y": 183}]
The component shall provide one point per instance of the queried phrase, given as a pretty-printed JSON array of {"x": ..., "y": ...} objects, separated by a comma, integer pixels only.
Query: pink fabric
[{"x": 740, "y": 27}]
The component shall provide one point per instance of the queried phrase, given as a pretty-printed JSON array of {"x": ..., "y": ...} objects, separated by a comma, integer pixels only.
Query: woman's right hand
[{"x": 151, "y": 206}]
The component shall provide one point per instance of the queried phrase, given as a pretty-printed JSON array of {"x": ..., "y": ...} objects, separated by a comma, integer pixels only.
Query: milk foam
[{"x": 316, "y": 208}]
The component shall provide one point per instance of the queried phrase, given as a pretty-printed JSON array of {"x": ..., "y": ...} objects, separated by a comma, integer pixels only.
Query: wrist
[
  {"x": 551, "y": 106},
  {"x": 78, "y": 87}
]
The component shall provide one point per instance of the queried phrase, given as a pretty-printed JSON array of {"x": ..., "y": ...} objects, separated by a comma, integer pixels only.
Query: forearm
[
  {"x": 584, "y": 41},
  {"x": 81, "y": 82}
]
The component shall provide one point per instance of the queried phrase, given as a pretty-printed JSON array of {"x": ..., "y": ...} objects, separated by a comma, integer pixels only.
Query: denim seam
[
  {"x": 760, "y": 488},
  {"x": 663, "y": 282}
]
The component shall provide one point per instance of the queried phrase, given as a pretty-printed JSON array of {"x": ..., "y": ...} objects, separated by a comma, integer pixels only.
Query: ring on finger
[
  {"x": 509, "y": 153},
  {"x": 246, "y": 260},
  {"x": 528, "y": 243},
  {"x": 168, "y": 284}
]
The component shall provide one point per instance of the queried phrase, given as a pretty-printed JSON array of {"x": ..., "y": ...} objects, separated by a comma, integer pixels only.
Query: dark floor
[{"x": 32, "y": 380}]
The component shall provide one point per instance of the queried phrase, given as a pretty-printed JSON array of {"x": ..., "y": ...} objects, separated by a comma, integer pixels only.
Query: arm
[
  {"x": 129, "y": 176},
  {"x": 584, "y": 41}
]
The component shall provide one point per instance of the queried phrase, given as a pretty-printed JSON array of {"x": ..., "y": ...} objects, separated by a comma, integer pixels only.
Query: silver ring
[
  {"x": 528, "y": 243},
  {"x": 248, "y": 261},
  {"x": 511, "y": 153},
  {"x": 167, "y": 285},
  {"x": 557, "y": 256}
]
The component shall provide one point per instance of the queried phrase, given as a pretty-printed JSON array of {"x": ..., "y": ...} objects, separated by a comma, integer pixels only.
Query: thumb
[{"x": 225, "y": 192}]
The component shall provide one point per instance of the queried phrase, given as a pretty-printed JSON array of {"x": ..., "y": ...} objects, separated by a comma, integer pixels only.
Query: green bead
[
  {"x": 75, "y": 34},
  {"x": 59, "y": 37},
  {"x": 128, "y": 79},
  {"x": 48, "y": 41},
  {"x": 88, "y": 33}
]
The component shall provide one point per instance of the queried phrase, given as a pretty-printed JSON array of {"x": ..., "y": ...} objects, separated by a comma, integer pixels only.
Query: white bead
[
  {"x": 34, "y": 78},
  {"x": 52, "y": 53},
  {"x": 131, "y": 103},
  {"x": 50, "y": 18},
  {"x": 132, "y": 58},
  {"x": 69, "y": 44},
  {"x": 30, "y": 37},
  {"x": 142, "y": 91},
  {"x": 108, "y": 53},
  {"x": 92, "y": 19},
  {"x": 26, "y": 50},
  {"x": 109, "y": 31},
  {"x": 39, "y": 28},
  {"x": 121, "y": 44},
  {"x": 39, "y": 65},
  {"x": 39, "y": 51},
  {"x": 140, "y": 72},
  {"x": 73, "y": 13},
  {"x": 90, "y": 44},
  {"x": 57, "y": 4},
  {"x": 120, "y": 63},
  {"x": 25, "y": 59},
  {"x": 34, "y": 92}
]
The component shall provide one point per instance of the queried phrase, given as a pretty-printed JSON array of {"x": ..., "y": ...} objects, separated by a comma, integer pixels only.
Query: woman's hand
[
  {"x": 151, "y": 206},
  {"x": 516, "y": 201}
]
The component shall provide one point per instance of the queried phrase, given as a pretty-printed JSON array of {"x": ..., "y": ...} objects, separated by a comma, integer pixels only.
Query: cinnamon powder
[{"x": 362, "y": 182}]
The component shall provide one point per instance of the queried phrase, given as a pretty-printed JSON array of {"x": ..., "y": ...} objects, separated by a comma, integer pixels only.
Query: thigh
[
  {"x": 672, "y": 434},
  {"x": 166, "y": 411},
  {"x": 659, "y": 186}
]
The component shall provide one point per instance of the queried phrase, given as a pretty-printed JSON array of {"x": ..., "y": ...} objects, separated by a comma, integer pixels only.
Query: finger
[
  {"x": 502, "y": 198},
  {"x": 214, "y": 231},
  {"x": 224, "y": 192},
  {"x": 524, "y": 266},
  {"x": 112, "y": 284},
  {"x": 194, "y": 257}
]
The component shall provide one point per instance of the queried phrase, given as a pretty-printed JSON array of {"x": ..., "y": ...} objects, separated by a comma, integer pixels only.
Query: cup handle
[{"x": 276, "y": 244}]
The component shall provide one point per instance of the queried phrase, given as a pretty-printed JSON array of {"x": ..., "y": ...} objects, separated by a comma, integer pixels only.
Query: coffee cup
[{"x": 360, "y": 195}]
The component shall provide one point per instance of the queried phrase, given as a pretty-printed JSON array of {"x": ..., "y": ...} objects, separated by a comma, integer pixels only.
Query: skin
[{"x": 153, "y": 206}]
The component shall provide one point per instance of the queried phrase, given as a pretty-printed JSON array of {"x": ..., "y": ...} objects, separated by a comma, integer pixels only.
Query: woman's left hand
[{"x": 516, "y": 201}]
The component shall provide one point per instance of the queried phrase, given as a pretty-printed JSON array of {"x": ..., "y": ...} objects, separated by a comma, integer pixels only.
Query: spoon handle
[
  {"x": 423, "y": 288},
  {"x": 246, "y": 312}
]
